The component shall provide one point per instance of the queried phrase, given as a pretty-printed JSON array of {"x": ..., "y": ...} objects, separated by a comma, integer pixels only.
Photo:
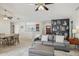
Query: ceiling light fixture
[
  {"x": 5, "y": 18},
  {"x": 41, "y": 7}
]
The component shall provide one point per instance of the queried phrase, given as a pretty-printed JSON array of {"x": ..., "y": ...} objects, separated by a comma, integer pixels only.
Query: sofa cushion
[
  {"x": 44, "y": 38},
  {"x": 59, "y": 44},
  {"x": 59, "y": 38},
  {"x": 51, "y": 38}
]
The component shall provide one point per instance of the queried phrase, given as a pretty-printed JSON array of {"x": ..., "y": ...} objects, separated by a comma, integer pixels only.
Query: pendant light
[{"x": 5, "y": 16}]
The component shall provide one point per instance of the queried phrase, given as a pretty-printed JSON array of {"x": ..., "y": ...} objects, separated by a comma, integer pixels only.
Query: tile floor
[{"x": 22, "y": 50}]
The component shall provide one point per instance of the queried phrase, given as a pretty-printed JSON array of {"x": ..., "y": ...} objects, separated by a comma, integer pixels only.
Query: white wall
[
  {"x": 29, "y": 34},
  {"x": 75, "y": 19},
  {"x": 24, "y": 32},
  {"x": 4, "y": 26}
]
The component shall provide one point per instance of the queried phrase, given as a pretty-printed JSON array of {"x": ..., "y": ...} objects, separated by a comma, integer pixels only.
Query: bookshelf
[{"x": 60, "y": 27}]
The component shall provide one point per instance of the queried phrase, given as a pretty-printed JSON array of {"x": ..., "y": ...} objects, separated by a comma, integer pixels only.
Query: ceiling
[{"x": 26, "y": 11}]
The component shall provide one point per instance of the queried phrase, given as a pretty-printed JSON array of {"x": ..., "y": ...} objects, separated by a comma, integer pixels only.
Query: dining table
[{"x": 9, "y": 39}]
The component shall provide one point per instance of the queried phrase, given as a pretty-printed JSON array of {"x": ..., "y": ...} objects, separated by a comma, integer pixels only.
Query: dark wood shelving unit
[{"x": 60, "y": 27}]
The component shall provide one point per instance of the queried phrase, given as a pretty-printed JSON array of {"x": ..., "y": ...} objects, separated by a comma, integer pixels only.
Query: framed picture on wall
[{"x": 37, "y": 27}]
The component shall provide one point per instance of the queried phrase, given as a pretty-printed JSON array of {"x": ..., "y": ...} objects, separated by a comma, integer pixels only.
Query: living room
[{"x": 50, "y": 25}]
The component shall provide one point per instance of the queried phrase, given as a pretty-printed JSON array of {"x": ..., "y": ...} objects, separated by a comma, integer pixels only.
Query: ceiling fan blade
[
  {"x": 48, "y": 3},
  {"x": 45, "y": 8},
  {"x": 36, "y": 9}
]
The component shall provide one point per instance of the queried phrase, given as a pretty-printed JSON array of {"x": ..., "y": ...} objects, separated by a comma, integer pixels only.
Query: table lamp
[{"x": 74, "y": 32}]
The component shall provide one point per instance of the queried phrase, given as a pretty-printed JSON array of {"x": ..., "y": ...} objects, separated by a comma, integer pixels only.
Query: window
[{"x": 32, "y": 27}]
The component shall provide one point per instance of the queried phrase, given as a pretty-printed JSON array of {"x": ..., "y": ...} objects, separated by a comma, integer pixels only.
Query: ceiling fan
[
  {"x": 42, "y": 6},
  {"x": 6, "y": 16}
]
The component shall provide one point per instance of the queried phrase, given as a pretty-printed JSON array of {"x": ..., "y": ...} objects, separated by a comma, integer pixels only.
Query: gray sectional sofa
[
  {"x": 52, "y": 41},
  {"x": 50, "y": 45}
]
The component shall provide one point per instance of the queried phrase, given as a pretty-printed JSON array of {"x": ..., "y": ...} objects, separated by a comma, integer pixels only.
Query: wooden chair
[
  {"x": 16, "y": 38},
  {"x": 0, "y": 42},
  {"x": 4, "y": 41},
  {"x": 10, "y": 41},
  {"x": 1, "y": 39}
]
